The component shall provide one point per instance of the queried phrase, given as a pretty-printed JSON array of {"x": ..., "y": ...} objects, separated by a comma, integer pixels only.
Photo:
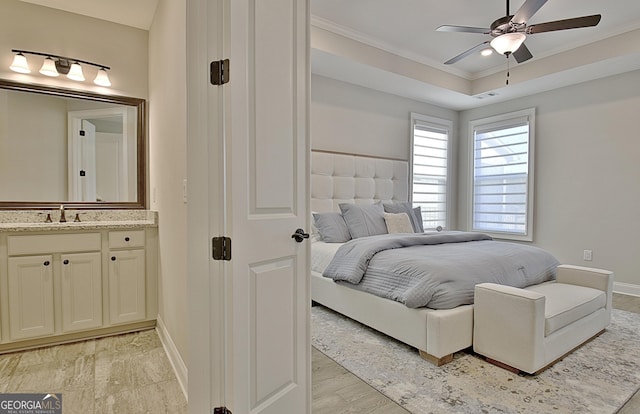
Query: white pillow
[{"x": 398, "y": 223}]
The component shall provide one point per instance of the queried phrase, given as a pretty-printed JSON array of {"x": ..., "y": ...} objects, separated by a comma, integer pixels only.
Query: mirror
[{"x": 81, "y": 149}]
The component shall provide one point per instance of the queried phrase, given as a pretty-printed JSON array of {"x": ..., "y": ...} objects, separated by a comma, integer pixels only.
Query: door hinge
[
  {"x": 221, "y": 410},
  {"x": 221, "y": 247},
  {"x": 220, "y": 72}
]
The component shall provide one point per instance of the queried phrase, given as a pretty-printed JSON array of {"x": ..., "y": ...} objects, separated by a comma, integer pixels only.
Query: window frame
[
  {"x": 505, "y": 120},
  {"x": 435, "y": 123}
]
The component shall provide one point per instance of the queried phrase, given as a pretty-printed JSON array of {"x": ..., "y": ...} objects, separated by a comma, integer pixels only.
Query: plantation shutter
[
  {"x": 501, "y": 177},
  {"x": 430, "y": 159}
]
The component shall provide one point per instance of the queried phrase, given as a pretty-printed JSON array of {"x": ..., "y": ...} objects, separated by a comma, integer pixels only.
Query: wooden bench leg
[
  {"x": 504, "y": 366},
  {"x": 435, "y": 360}
]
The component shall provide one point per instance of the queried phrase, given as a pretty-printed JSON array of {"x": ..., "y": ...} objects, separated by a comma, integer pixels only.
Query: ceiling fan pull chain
[{"x": 508, "y": 68}]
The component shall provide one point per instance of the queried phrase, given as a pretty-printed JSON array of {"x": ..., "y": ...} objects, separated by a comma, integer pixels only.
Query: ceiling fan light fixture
[{"x": 508, "y": 42}]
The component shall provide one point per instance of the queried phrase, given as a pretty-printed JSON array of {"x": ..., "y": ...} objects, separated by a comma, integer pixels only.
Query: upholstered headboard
[{"x": 347, "y": 178}]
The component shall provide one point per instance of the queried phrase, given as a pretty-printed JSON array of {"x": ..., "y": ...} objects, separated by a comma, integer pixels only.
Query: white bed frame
[{"x": 348, "y": 178}]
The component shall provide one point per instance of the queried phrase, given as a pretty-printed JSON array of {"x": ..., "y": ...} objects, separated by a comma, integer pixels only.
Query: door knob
[{"x": 300, "y": 235}]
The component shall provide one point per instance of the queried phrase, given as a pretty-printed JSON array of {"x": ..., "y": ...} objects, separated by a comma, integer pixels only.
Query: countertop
[{"x": 20, "y": 221}]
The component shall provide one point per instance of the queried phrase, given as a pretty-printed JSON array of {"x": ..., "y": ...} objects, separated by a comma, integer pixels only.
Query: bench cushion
[{"x": 565, "y": 304}]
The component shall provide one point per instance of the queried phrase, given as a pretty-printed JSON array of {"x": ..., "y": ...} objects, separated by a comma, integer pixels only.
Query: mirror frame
[{"x": 140, "y": 104}]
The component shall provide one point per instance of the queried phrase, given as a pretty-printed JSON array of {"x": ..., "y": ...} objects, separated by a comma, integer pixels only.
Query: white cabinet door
[
  {"x": 127, "y": 286},
  {"x": 30, "y": 296},
  {"x": 81, "y": 291}
]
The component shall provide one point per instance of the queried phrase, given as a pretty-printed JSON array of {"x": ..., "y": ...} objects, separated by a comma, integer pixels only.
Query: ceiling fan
[{"x": 509, "y": 32}]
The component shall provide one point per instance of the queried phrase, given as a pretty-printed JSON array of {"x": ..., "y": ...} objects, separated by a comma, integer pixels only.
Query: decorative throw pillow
[
  {"x": 332, "y": 227},
  {"x": 364, "y": 219},
  {"x": 405, "y": 207},
  {"x": 398, "y": 223}
]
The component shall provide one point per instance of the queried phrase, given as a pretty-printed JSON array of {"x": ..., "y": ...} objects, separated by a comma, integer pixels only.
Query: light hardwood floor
[
  {"x": 124, "y": 374},
  {"x": 336, "y": 390}
]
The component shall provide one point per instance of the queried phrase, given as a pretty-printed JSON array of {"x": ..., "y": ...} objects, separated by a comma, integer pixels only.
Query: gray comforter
[{"x": 438, "y": 270}]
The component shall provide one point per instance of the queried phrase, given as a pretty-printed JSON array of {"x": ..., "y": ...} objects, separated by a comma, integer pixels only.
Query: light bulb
[
  {"x": 49, "y": 67},
  {"x": 102, "y": 78},
  {"x": 75, "y": 72},
  {"x": 20, "y": 64}
]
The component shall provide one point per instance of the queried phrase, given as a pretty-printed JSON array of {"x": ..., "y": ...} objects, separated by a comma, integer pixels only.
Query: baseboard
[
  {"x": 626, "y": 288},
  {"x": 175, "y": 359}
]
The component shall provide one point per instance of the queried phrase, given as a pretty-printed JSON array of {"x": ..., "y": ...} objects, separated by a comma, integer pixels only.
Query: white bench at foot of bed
[
  {"x": 437, "y": 334},
  {"x": 529, "y": 329}
]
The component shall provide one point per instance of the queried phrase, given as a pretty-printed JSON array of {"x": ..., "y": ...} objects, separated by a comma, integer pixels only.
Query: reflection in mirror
[{"x": 61, "y": 146}]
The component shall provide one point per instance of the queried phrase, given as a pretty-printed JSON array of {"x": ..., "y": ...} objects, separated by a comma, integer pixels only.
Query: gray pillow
[
  {"x": 418, "y": 212},
  {"x": 406, "y": 207},
  {"x": 332, "y": 227},
  {"x": 364, "y": 219}
]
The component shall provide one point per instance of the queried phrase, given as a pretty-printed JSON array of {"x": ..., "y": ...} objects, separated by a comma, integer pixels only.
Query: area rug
[{"x": 597, "y": 378}]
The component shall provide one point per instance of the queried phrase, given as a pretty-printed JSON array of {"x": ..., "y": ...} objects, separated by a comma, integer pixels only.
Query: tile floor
[{"x": 122, "y": 374}]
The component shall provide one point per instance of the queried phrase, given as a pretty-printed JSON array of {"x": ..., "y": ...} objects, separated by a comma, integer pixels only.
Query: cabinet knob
[
  {"x": 113, "y": 258},
  {"x": 46, "y": 263},
  {"x": 65, "y": 261},
  {"x": 127, "y": 239}
]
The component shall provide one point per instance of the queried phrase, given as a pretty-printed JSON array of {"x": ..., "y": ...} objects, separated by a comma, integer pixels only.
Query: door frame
[{"x": 207, "y": 285}]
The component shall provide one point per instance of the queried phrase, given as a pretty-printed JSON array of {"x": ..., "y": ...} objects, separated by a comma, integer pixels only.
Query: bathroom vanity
[{"x": 65, "y": 281}]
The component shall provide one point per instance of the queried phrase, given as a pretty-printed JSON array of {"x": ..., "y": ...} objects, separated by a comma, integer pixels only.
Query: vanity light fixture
[
  {"x": 75, "y": 72},
  {"x": 20, "y": 64},
  {"x": 49, "y": 67},
  {"x": 55, "y": 65}
]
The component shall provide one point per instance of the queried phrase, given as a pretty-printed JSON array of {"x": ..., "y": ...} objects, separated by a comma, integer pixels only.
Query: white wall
[
  {"x": 587, "y": 172},
  {"x": 354, "y": 119},
  {"x": 167, "y": 151}
]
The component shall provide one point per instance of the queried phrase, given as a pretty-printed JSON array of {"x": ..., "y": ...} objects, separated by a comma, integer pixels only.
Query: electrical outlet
[{"x": 587, "y": 255}]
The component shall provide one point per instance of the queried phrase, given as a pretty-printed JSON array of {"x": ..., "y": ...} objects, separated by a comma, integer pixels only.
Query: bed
[{"x": 339, "y": 181}]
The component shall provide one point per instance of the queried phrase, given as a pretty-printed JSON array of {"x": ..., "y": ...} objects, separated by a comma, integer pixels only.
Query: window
[
  {"x": 431, "y": 149},
  {"x": 502, "y": 199}
]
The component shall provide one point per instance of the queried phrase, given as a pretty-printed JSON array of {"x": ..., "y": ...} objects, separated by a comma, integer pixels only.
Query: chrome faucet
[{"x": 63, "y": 219}]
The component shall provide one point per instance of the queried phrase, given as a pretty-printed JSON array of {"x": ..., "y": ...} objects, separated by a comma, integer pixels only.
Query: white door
[
  {"x": 111, "y": 177},
  {"x": 267, "y": 201},
  {"x": 88, "y": 161},
  {"x": 256, "y": 195}
]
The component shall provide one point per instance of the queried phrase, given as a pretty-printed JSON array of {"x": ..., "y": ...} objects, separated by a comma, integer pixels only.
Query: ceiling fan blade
[
  {"x": 462, "y": 29},
  {"x": 528, "y": 9},
  {"x": 467, "y": 53},
  {"x": 575, "y": 23},
  {"x": 522, "y": 54}
]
